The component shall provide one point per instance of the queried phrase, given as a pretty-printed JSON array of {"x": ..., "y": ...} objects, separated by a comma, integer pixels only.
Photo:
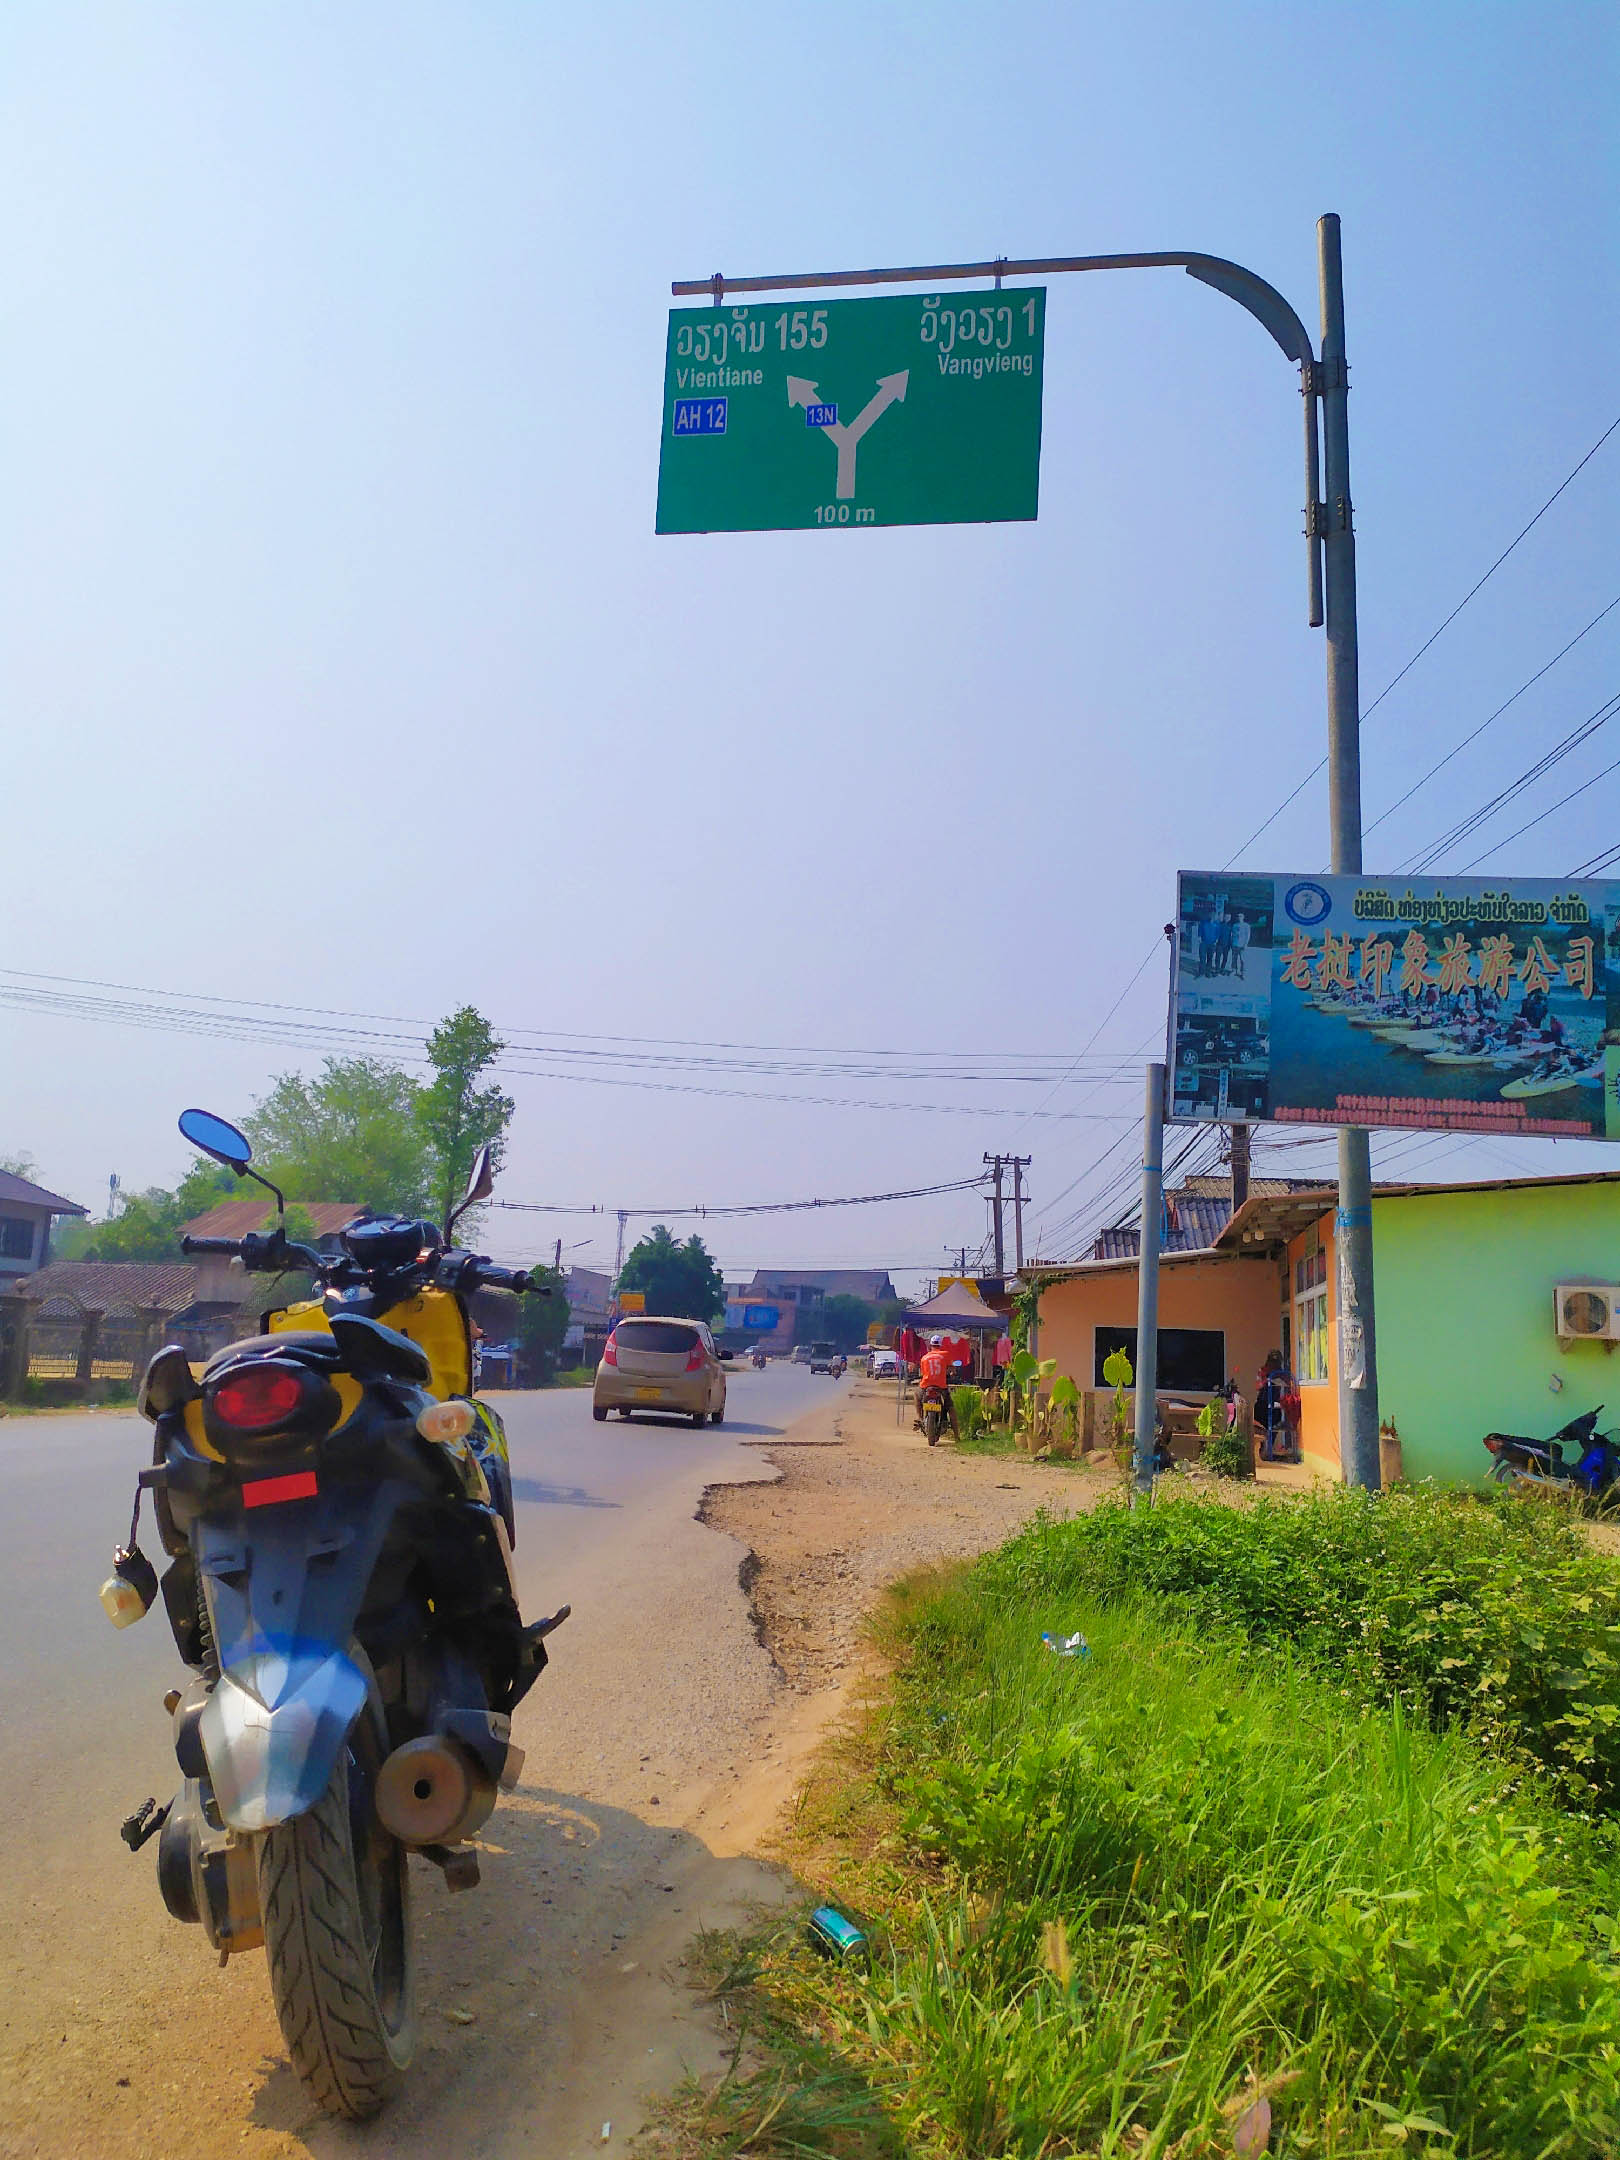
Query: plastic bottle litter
[
  {"x": 1067, "y": 1645},
  {"x": 830, "y": 1931}
]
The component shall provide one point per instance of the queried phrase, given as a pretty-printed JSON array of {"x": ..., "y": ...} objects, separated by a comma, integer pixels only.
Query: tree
[
  {"x": 841, "y": 1320},
  {"x": 542, "y": 1322},
  {"x": 147, "y": 1225},
  {"x": 454, "y": 1115},
  {"x": 350, "y": 1134},
  {"x": 19, "y": 1165},
  {"x": 681, "y": 1280}
]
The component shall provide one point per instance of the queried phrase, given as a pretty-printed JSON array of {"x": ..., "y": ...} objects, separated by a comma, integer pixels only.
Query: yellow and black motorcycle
[{"x": 336, "y": 1509}]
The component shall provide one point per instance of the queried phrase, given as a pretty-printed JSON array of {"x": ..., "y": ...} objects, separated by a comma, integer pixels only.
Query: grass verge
[{"x": 1167, "y": 1898}]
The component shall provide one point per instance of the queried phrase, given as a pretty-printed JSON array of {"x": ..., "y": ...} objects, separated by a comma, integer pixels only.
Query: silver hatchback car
[{"x": 658, "y": 1364}]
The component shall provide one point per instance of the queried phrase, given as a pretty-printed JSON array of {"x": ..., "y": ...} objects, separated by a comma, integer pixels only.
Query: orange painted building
[{"x": 1218, "y": 1317}]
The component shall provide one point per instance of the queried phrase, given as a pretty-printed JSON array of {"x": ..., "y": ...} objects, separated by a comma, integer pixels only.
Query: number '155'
[{"x": 803, "y": 327}]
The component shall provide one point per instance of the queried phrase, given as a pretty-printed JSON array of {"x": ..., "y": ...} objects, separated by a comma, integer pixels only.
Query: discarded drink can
[
  {"x": 1067, "y": 1645},
  {"x": 830, "y": 1931}
]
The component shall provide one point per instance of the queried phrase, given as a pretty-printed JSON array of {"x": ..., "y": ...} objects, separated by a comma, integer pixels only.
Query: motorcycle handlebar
[
  {"x": 469, "y": 1271},
  {"x": 230, "y": 1245}
]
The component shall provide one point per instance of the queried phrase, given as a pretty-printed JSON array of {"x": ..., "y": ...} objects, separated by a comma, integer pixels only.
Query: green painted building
[
  {"x": 1470, "y": 1334},
  {"x": 1473, "y": 1336}
]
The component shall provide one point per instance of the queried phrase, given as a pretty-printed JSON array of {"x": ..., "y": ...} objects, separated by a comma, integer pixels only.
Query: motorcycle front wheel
[{"x": 335, "y": 1898}]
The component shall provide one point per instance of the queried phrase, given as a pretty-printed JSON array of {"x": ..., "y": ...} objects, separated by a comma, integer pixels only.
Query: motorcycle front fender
[{"x": 284, "y": 1591}]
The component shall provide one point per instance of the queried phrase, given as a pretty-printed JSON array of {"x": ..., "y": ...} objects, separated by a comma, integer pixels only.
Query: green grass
[
  {"x": 581, "y": 1376},
  {"x": 1115, "y": 1901},
  {"x": 1490, "y": 1609}
]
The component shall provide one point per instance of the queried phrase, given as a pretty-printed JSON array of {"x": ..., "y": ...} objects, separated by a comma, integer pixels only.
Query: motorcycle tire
[
  {"x": 1503, "y": 1473},
  {"x": 335, "y": 1898},
  {"x": 931, "y": 1427}
]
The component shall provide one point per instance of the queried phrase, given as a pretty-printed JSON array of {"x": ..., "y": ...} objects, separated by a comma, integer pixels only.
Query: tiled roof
[
  {"x": 235, "y": 1218},
  {"x": 114, "y": 1285},
  {"x": 23, "y": 1193}
]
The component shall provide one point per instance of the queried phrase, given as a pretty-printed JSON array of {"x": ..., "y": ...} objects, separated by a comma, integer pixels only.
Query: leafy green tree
[
  {"x": 542, "y": 1323},
  {"x": 454, "y": 1115},
  {"x": 681, "y": 1280},
  {"x": 19, "y": 1165},
  {"x": 841, "y": 1320},
  {"x": 349, "y": 1134},
  {"x": 147, "y": 1225}
]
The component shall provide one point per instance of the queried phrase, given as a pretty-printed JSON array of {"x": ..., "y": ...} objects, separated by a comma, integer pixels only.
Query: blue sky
[{"x": 343, "y": 669}]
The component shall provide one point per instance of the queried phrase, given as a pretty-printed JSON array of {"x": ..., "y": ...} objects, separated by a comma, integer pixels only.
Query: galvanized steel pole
[
  {"x": 1147, "y": 1280},
  {"x": 1357, "y": 1348}
]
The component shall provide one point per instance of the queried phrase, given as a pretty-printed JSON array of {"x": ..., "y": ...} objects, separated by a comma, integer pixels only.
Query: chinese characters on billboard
[{"x": 1458, "y": 1005}]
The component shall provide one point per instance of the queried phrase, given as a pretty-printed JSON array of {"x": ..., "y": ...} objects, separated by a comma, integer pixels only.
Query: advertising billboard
[
  {"x": 1451, "y": 1004},
  {"x": 762, "y": 1318}
]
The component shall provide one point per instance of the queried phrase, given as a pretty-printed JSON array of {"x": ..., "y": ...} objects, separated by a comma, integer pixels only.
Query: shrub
[
  {"x": 1489, "y": 1608},
  {"x": 971, "y": 1414}
]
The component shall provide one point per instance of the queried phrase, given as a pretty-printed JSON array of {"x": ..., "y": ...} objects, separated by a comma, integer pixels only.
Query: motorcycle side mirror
[
  {"x": 215, "y": 1137},
  {"x": 480, "y": 1184}
]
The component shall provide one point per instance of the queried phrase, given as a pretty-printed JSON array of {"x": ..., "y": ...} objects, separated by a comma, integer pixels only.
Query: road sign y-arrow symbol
[{"x": 845, "y": 436}]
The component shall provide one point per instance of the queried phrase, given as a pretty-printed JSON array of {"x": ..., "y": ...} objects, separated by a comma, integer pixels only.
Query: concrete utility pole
[
  {"x": 1358, "y": 1361},
  {"x": 618, "y": 1251},
  {"x": 1147, "y": 1281},
  {"x": 996, "y": 1162},
  {"x": 1020, "y": 1163}
]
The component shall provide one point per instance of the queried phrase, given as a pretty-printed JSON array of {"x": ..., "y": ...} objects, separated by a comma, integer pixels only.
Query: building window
[
  {"x": 16, "y": 1238},
  {"x": 1311, "y": 1317},
  {"x": 1192, "y": 1358}
]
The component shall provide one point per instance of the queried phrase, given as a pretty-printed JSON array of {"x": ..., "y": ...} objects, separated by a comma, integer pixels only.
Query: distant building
[
  {"x": 26, "y": 1214},
  {"x": 590, "y": 1314},
  {"x": 796, "y": 1292}
]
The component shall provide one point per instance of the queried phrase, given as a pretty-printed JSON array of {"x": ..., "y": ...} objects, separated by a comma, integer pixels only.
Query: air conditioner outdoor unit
[{"x": 1587, "y": 1312}]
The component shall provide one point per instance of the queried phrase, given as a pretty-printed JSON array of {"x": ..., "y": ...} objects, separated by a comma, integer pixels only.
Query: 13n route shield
[{"x": 892, "y": 411}]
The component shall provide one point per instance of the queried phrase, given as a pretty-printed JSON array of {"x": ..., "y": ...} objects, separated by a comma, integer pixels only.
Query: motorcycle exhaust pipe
[{"x": 433, "y": 1791}]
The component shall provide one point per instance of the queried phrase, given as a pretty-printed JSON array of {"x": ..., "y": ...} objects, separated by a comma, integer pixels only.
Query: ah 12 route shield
[{"x": 901, "y": 410}]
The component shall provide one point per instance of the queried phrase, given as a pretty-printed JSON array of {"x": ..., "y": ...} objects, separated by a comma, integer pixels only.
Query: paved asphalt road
[{"x": 654, "y": 1687}]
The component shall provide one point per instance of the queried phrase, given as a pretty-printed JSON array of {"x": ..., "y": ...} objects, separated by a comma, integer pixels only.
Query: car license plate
[{"x": 649, "y": 1394}]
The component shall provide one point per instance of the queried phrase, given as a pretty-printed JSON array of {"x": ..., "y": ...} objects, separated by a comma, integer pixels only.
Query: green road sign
[{"x": 895, "y": 411}]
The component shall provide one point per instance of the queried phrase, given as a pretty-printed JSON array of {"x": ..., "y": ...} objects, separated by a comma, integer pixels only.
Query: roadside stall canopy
[{"x": 952, "y": 1311}]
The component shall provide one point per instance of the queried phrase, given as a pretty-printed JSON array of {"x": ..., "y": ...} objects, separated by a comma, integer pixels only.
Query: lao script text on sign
[{"x": 892, "y": 411}]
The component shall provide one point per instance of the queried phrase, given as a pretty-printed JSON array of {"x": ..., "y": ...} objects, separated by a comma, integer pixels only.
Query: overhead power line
[
  {"x": 1475, "y": 733},
  {"x": 1427, "y": 856},
  {"x": 1401, "y": 673},
  {"x": 751, "y": 1207},
  {"x": 1542, "y": 818}
]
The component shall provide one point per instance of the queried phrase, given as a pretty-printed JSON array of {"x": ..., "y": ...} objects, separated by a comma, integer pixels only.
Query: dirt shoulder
[{"x": 859, "y": 1502}]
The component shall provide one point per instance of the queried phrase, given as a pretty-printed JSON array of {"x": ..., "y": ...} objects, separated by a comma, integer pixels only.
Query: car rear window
[{"x": 654, "y": 1335}]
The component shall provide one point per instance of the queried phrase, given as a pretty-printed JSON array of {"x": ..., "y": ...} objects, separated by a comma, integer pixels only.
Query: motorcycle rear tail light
[
  {"x": 610, "y": 1351},
  {"x": 694, "y": 1358},
  {"x": 1492, "y": 1442},
  {"x": 258, "y": 1398}
]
